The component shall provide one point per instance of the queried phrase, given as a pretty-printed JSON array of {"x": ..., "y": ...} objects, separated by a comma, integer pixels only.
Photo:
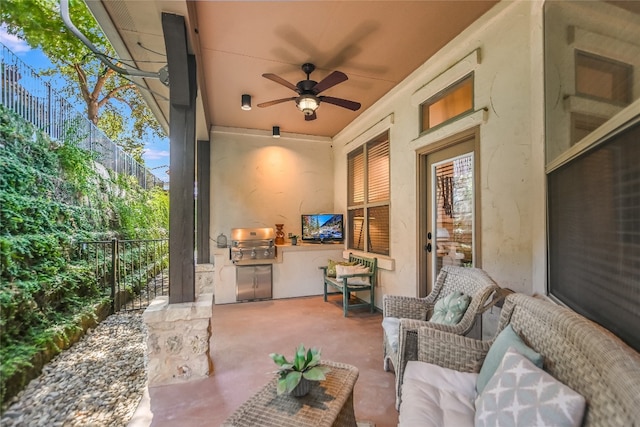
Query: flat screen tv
[{"x": 322, "y": 228}]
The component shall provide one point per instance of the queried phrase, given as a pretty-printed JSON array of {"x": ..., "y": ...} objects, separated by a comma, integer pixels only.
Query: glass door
[
  {"x": 452, "y": 212},
  {"x": 448, "y": 217}
]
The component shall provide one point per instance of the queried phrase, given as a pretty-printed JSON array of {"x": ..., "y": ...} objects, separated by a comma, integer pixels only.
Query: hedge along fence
[{"x": 51, "y": 197}]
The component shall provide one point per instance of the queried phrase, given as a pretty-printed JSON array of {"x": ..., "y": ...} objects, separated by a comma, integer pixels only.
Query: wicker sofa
[{"x": 577, "y": 352}]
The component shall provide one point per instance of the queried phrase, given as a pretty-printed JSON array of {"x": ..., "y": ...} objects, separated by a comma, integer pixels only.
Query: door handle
[{"x": 427, "y": 247}]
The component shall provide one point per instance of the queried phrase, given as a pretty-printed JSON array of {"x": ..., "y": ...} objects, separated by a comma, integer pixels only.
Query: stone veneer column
[
  {"x": 205, "y": 274},
  {"x": 179, "y": 334}
]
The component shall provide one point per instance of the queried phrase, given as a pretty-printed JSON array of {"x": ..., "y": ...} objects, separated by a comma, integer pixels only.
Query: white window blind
[
  {"x": 369, "y": 204},
  {"x": 356, "y": 177},
  {"x": 378, "y": 171}
]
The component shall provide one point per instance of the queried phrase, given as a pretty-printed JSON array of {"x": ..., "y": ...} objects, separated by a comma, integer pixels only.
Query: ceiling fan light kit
[
  {"x": 308, "y": 100},
  {"x": 307, "y": 104},
  {"x": 246, "y": 102}
]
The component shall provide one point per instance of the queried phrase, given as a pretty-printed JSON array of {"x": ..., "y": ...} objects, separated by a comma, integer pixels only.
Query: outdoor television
[{"x": 322, "y": 228}]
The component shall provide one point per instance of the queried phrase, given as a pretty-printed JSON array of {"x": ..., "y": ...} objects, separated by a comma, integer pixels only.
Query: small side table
[{"x": 329, "y": 403}]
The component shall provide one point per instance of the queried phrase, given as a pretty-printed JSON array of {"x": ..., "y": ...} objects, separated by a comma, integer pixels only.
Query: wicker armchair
[
  {"x": 415, "y": 312},
  {"x": 577, "y": 352}
]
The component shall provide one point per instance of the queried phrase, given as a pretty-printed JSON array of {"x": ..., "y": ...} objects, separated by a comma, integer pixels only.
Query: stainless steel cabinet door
[
  {"x": 253, "y": 282},
  {"x": 263, "y": 276},
  {"x": 245, "y": 289}
]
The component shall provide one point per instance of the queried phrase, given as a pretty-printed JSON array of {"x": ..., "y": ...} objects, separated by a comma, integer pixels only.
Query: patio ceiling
[{"x": 377, "y": 44}]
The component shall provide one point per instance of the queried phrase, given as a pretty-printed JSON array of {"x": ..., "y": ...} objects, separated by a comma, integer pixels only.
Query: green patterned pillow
[
  {"x": 450, "y": 309},
  {"x": 331, "y": 266},
  {"x": 521, "y": 394}
]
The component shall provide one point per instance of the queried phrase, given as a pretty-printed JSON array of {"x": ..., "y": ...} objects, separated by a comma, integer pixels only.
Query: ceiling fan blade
[
  {"x": 311, "y": 117},
  {"x": 344, "y": 103},
  {"x": 330, "y": 81},
  {"x": 280, "y": 80},
  {"x": 276, "y": 101}
]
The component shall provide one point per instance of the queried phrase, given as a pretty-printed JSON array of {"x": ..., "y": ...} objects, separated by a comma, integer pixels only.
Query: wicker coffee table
[{"x": 329, "y": 403}]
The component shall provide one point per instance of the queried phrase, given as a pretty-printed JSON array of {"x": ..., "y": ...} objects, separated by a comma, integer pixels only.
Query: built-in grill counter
[
  {"x": 253, "y": 252},
  {"x": 290, "y": 271}
]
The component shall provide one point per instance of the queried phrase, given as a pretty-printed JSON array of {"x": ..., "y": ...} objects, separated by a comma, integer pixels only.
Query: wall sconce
[
  {"x": 276, "y": 132},
  {"x": 246, "y": 102}
]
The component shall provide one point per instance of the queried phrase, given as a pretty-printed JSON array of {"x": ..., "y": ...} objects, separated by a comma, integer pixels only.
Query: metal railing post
[{"x": 114, "y": 272}]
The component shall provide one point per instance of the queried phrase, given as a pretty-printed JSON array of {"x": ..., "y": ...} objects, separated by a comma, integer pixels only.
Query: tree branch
[
  {"x": 100, "y": 83},
  {"x": 112, "y": 95},
  {"x": 82, "y": 79}
]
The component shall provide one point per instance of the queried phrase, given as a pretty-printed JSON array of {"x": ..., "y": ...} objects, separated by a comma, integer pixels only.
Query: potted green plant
[
  {"x": 295, "y": 377},
  {"x": 294, "y": 239}
]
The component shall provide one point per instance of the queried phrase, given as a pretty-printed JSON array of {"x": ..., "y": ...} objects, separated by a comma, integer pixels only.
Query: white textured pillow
[
  {"x": 521, "y": 394},
  {"x": 344, "y": 270}
]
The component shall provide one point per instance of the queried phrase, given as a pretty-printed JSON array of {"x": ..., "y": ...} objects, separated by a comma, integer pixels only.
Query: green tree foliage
[
  {"x": 105, "y": 93},
  {"x": 51, "y": 197}
]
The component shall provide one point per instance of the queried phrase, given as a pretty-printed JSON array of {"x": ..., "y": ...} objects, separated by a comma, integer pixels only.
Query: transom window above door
[{"x": 452, "y": 102}]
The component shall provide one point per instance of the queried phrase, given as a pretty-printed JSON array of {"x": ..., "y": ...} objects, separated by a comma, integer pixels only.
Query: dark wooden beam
[
  {"x": 182, "y": 124},
  {"x": 202, "y": 202},
  {"x": 182, "y": 91}
]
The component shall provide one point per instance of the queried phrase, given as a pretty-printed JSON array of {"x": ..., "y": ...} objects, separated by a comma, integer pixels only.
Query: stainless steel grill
[{"x": 253, "y": 246}]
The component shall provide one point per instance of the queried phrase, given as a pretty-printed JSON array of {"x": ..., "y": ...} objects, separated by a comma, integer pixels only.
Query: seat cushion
[
  {"x": 505, "y": 339},
  {"x": 391, "y": 328},
  {"x": 437, "y": 396},
  {"x": 450, "y": 309},
  {"x": 521, "y": 394}
]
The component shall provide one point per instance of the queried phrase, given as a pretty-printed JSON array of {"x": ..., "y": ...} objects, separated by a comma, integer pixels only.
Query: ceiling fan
[{"x": 308, "y": 99}]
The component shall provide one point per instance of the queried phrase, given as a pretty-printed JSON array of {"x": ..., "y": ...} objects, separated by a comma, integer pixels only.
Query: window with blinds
[{"x": 368, "y": 196}]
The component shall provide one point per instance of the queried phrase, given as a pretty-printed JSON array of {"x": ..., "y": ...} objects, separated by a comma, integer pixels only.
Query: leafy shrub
[{"x": 51, "y": 197}]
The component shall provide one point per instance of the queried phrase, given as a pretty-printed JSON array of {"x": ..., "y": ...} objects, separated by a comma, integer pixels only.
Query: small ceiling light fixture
[
  {"x": 276, "y": 132},
  {"x": 246, "y": 102},
  {"x": 308, "y": 104}
]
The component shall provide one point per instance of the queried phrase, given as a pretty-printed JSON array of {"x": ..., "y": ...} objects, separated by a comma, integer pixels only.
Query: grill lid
[
  {"x": 252, "y": 245},
  {"x": 249, "y": 234}
]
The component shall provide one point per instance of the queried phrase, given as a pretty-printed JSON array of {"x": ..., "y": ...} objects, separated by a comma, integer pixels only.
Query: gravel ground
[{"x": 99, "y": 381}]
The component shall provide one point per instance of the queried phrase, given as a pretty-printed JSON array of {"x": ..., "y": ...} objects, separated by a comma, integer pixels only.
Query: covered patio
[
  {"x": 245, "y": 335},
  {"x": 523, "y": 118}
]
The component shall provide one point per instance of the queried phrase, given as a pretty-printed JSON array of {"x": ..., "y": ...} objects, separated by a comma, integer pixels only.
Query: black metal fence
[
  {"x": 132, "y": 272},
  {"x": 24, "y": 92}
]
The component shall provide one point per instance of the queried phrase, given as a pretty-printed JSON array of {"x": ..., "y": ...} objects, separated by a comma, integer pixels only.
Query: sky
[{"x": 156, "y": 151}]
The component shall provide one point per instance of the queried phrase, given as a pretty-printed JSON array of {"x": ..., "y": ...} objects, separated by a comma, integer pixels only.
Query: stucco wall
[
  {"x": 258, "y": 181},
  {"x": 508, "y": 104}
]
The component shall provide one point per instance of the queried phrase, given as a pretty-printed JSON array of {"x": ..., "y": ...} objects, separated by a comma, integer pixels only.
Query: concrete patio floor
[{"x": 244, "y": 334}]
